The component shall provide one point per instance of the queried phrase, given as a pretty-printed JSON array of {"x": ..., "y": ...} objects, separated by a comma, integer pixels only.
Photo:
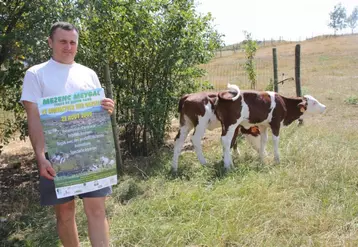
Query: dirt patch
[{"x": 18, "y": 177}]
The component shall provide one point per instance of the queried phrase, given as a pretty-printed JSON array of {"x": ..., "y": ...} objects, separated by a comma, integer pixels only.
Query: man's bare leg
[
  {"x": 98, "y": 228},
  {"x": 66, "y": 224}
]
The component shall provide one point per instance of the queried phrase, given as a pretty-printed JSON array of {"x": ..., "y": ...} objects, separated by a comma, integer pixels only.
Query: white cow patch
[
  {"x": 200, "y": 131},
  {"x": 272, "y": 107}
]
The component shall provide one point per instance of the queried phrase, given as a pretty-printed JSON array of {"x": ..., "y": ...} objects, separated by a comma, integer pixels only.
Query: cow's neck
[{"x": 293, "y": 111}]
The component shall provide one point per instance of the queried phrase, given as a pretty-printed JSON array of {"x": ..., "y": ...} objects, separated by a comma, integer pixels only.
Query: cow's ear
[{"x": 302, "y": 106}]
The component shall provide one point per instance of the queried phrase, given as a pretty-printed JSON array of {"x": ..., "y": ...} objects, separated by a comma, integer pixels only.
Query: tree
[
  {"x": 250, "y": 50},
  {"x": 353, "y": 19},
  {"x": 338, "y": 17},
  {"x": 152, "y": 48},
  {"x": 24, "y": 28}
]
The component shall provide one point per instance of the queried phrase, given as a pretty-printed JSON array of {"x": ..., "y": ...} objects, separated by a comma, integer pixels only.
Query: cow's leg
[
  {"x": 196, "y": 139},
  {"x": 263, "y": 133},
  {"x": 254, "y": 141},
  {"x": 179, "y": 142},
  {"x": 275, "y": 146},
  {"x": 234, "y": 141},
  {"x": 226, "y": 138},
  {"x": 275, "y": 138}
]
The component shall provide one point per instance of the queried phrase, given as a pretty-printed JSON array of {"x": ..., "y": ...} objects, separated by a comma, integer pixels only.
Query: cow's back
[
  {"x": 193, "y": 105},
  {"x": 258, "y": 105}
]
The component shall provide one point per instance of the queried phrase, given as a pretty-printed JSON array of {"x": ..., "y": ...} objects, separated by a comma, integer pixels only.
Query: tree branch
[{"x": 290, "y": 78}]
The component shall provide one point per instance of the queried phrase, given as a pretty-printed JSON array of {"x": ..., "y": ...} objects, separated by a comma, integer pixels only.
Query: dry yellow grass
[{"x": 328, "y": 72}]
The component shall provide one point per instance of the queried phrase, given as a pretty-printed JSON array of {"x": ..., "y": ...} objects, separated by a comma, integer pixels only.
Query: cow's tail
[
  {"x": 181, "y": 102},
  {"x": 234, "y": 88}
]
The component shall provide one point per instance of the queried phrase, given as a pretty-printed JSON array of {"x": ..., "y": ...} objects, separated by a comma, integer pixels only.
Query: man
[{"x": 62, "y": 75}]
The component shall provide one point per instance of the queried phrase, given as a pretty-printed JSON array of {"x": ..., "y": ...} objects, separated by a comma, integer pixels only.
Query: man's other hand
[
  {"x": 45, "y": 168},
  {"x": 108, "y": 104}
]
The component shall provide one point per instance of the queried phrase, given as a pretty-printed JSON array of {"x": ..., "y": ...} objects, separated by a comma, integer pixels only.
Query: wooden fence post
[
  {"x": 298, "y": 70},
  {"x": 109, "y": 94},
  {"x": 298, "y": 75},
  {"x": 275, "y": 74}
]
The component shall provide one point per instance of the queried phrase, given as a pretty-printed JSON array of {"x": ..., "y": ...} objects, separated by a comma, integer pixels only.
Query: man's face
[{"x": 64, "y": 45}]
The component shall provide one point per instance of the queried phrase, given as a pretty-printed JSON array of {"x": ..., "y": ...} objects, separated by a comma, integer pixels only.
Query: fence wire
[{"x": 219, "y": 75}]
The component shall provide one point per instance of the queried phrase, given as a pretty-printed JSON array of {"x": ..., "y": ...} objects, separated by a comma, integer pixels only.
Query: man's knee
[
  {"x": 95, "y": 207},
  {"x": 65, "y": 212}
]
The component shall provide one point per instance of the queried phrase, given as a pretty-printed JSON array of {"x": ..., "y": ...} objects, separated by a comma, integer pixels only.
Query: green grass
[
  {"x": 308, "y": 200},
  {"x": 351, "y": 100}
]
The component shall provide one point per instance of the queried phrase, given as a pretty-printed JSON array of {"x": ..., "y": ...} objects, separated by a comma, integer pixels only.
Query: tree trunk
[{"x": 109, "y": 93}]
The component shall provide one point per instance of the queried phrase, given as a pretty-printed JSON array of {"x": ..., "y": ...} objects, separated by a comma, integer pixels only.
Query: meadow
[{"x": 309, "y": 199}]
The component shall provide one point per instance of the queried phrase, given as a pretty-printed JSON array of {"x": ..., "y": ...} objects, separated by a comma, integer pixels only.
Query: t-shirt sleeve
[
  {"x": 31, "y": 88},
  {"x": 96, "y": 80}
]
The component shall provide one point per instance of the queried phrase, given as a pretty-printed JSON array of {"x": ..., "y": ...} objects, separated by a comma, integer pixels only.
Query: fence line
[
  {"x": 220, "y": 75},
  {"x": 228, "y": 50}
]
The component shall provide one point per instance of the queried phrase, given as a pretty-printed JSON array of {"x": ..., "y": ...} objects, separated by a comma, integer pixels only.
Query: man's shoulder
[
  {"x": 84, "y": 68},
  {"x": 37, "y": 67}
]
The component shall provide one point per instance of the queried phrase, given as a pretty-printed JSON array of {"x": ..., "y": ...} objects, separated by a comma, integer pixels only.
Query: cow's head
[{"x": 310, "y": 105}]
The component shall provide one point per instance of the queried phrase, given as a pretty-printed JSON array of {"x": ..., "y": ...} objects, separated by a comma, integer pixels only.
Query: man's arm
[{"x": 38, "y": 140}]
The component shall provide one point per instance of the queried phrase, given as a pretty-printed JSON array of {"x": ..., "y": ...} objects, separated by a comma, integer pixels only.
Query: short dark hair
[{"x": 63, "y": 25}]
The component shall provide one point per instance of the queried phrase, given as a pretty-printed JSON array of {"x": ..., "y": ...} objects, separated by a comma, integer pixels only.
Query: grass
[
  {"x": 352, "y": 100},
  {"x": 309, "y": 199}
]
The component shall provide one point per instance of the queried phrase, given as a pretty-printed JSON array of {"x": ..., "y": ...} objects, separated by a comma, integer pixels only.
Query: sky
[{"x": 272, "y": 19}]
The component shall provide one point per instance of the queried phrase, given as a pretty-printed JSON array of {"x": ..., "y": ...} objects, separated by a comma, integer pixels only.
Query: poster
[{"x": 79, "y": 142}]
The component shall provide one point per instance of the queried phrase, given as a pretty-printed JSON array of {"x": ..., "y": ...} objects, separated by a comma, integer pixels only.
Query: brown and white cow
[
  {"x": 197, "y": 111},
  {"x": 262, "y": 109}
]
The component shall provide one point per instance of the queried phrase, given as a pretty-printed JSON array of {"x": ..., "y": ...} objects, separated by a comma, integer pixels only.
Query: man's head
[{"x": 63, "y": 40}]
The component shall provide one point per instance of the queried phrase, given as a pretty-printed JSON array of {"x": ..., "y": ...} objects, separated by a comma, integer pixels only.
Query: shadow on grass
[
  {"x": 159, "y": 164},
  {"x": 23, "y": 222},
  {"x": 242, "y": 166}
]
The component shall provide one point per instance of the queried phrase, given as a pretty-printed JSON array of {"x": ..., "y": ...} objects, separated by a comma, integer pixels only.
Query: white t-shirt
[{"x": 52, "y": 78}]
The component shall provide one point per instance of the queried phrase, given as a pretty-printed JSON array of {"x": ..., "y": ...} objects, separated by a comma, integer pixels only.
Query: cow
[
  {"x": 104, "y": 161},
  {"x": 264, "y": 109},
  {"x": 196, "y": 111},
  {"x": 59, "y": 158}
]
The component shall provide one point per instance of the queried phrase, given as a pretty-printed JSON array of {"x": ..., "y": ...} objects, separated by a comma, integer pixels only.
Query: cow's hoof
[
  {"x": 174, "y": 173},
  {"x": 203, "y": 162}
]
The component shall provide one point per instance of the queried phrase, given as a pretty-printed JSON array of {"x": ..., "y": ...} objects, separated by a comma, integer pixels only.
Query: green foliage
[
  {"x": 204, "y": 86},
  {"x": 338, "y": 18},
  {"x": 24, "y": 29},
  {"x": 351, "y": 100},
  {"x": 250, "y": 50},
  {"x": 352, "y": 20},
  {"x": 152, "y": 48},
  {"x": 127, "y": 190},
  {"x": 270, "y": 86}
]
